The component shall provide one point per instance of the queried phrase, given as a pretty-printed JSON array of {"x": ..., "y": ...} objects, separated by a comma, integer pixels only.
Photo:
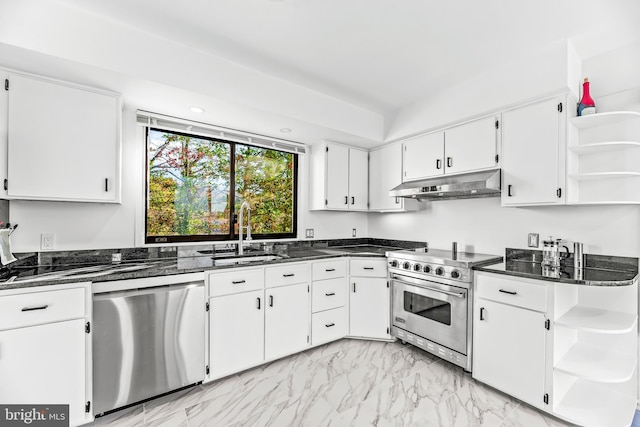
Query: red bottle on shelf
[{"x": 587, "y": 105}]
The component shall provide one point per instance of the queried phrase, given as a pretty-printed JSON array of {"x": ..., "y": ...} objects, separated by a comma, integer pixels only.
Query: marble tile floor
[{"x": 344, "y": 383}]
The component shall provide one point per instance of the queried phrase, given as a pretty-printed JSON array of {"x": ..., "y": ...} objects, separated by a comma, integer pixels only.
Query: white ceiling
[{"x": 381, "y": 55}]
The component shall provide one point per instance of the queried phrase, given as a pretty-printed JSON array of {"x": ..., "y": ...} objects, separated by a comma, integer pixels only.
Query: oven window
[{"x": 430, "y": 308}]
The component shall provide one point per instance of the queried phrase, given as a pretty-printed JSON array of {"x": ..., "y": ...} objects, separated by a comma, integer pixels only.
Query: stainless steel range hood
[{"x": 462, "y": 186}]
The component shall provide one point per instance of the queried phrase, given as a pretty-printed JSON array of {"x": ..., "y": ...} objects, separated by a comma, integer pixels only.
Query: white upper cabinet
[
  {"x": 358, "y": 179},
  {"x": 339, "y": 178},
  {"x": 533, "y": 153},
  {"x": 385, "y": 173},
  {"x": 468, "y": 147},
  {"x": 63, "y": 141},
  {"x": 471, "y": 146},
  {"x": 423, "y": 156}
]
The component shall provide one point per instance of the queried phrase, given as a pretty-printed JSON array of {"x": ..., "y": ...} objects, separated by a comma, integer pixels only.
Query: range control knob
[
  {"x": 417, "y": 267},
  {"x": 406, "y": 266},
  {"x": 427, "y": 269},
  {"x": 440, "y": 271},
  {"x": 394, "y": 263},
  {"x": 455, "y": 274}
]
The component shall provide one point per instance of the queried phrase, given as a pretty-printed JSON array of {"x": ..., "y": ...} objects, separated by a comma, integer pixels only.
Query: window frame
[{"x": 233, "y": 216}]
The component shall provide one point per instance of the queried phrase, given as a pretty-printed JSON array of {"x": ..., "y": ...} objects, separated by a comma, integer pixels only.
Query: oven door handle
[{"x": 453, "y": 294}]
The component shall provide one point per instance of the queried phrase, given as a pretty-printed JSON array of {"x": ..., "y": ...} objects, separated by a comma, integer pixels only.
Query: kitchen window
[{"x": 192, "y": 179}]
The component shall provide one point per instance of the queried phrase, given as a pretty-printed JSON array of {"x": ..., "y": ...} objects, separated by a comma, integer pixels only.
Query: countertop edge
[
  {"x": 602, "y": 283},
  {"x": 174, "y": 271}
]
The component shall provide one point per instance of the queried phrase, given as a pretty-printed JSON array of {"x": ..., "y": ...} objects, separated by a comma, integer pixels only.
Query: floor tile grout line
[{"x": 516, "y": 406}]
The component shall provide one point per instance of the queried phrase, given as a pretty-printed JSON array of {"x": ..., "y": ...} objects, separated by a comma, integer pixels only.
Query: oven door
[{"x": 434, "y": 311}]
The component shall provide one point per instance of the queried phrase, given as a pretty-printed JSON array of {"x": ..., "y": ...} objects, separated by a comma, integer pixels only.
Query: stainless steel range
[{"x": 432, "y": 300}]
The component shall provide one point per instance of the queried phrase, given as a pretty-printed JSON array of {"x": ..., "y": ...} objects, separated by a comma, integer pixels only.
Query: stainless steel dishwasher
[{"x": 146, "y": 340}]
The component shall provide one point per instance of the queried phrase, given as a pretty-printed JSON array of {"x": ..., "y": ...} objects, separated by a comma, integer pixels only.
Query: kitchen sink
[{"x": 247, "y": 259}]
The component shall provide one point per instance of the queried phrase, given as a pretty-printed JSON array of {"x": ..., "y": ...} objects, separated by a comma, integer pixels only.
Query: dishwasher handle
[{"x": 149, "y": 290}]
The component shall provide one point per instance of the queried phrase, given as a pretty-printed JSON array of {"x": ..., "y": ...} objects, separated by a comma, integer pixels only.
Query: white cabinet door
[
  {"x": 63, "y": 142},
  {"x": 287, "y": 320},
  {"x": 471, "y": 146},
  {"x": 358, "y": 179},
  {"x": 385, "y": 173},
  {"x": 45, "y": 364},
  {"x": 423, "y": 156},
  {"x": 236, "y": 327},
  {"x": 369, "y": 308},
  {"x": 533, "y": 144},
  {"x": 337, "y": 177},
  {"x": 509, "y": 350}
]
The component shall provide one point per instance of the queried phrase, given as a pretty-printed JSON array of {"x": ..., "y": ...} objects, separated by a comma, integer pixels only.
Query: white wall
[
  {"x": 550, "y": 70},
  {"x": 483, "y": 225}
]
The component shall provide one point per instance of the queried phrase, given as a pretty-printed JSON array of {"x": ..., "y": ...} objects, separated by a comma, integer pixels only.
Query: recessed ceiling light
[
  {"x": 285, "y": 130},
  {"x": 197, "y": 109}
]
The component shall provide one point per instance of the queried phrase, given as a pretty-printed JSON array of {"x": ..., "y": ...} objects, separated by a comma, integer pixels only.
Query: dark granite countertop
[
  {"x": 95, "y": 266},
  {"x": 599, "y": 270}
]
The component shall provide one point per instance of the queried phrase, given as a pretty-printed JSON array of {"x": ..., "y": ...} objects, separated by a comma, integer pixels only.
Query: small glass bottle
[{"x": 587, "y": 105}]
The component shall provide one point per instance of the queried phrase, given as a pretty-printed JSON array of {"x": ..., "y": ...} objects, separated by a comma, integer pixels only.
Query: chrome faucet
[{"x": 241, "y": 226}]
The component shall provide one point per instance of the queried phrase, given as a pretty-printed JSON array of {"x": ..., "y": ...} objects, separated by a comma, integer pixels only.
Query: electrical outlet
[
  {"x": 309, "y": 233},
  {"x": 47, "y": 241},
  {"x": 116, "y": 257},
  {"x": 353, "y": 233},
  {"x": 534, "y": 240}
]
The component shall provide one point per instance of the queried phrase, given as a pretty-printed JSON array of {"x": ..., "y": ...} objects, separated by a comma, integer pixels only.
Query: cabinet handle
[
  {"x": 40, "y": 307},
  {"x": 509, "y": 191},
  {"x": 397, "y": 200},
  {"x": 354, "y": 287},
  {"x": 258, "y": 301},
  {"x": 237, "y": 282},
  {"x": 438, "y": 163},
  {"x": 106, "y": 184},
  {"x": 346, "y": 200},
  {"x": 449, "y": 162},
  {"x": 368, "y": 268},
  {"x": 481, "y": 313},
  {"x": 328, "y": 325},
  {"x": 353, "y": 200},
  {"x": 288, "y": 275},
  {"x": 270, "y": 300},
  {"x": 330, "y": 269},
  {"x": 508, "y": 292},
  {"x": 330, "y": 294}
]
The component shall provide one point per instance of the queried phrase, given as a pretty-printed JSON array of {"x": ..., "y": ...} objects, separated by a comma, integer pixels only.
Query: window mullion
[{"x": 232, "y": 192}]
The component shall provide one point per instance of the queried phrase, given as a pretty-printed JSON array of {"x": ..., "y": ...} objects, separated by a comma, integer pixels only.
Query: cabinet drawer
[
  {"x": 41, "y": 307},
  {"x": 329, "y": 269},
  {"x": 329, "y": 325},
  {"x": 368, "y": 267},
  {"x": 328, "y": 294},
  {"x": 287, "y": 274},
  {"x": 516, "y": 292},
  {"x": 235, "y": 281}
]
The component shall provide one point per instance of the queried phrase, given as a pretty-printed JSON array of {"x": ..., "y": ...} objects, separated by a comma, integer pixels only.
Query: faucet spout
[{"x": 241, "y": 226}]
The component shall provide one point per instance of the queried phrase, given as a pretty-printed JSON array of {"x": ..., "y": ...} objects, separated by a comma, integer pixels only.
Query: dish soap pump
[{"x": 587, "y": 105}]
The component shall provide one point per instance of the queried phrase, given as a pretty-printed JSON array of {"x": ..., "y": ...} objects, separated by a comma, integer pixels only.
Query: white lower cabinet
[
  {"x": 256, "y": 315},
  {"x": 329, "y": 325},
  {"x": 44, "y": 349},
  {"x": 329, "y": 305},
  {"x": 570, "y": 350},
  {"x": 286, "y": 320},
  {"x": 236, "y": 328},
  {"x": 509, "y": 350},
  {"x": 369, "y": 299}
]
